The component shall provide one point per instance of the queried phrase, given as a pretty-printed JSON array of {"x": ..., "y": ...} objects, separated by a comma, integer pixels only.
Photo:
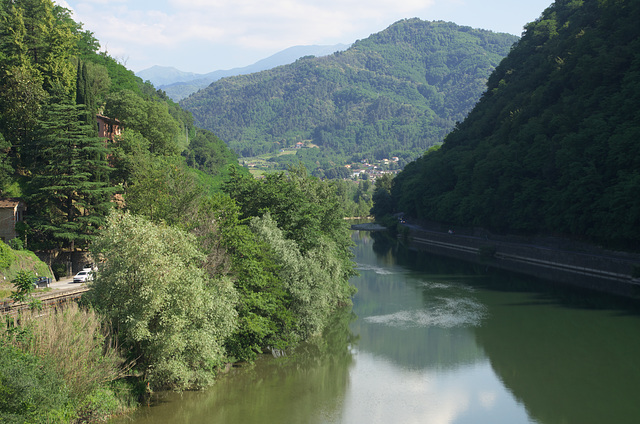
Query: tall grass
[{"x": 77, "y": 342}]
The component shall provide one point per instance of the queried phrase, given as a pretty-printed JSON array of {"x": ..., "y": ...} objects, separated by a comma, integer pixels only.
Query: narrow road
[{"x": 66, "y": 283}]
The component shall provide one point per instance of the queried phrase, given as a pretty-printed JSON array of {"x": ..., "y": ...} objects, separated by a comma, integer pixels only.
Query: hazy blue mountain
[
  {"x": 166, "y": 75},
  {"x": 179, "y": 84}
]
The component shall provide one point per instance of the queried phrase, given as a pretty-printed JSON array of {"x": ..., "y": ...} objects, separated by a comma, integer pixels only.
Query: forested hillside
[
  {"x": 553, "y": 146},
  {"x": 53, "y": 82},
  {"x": 395, "y": 93}
]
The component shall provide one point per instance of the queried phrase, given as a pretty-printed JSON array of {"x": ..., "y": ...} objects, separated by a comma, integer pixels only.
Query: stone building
[
  {"x": 11, "y": 212},
  {"x": 108, "y": 128}
]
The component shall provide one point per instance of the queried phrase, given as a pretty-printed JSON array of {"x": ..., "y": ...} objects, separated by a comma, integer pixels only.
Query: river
[{"x": 432, "y": 340}]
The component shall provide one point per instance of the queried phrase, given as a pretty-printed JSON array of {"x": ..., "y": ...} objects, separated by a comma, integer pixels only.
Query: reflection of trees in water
[
  {"x": 391, "y": 251},
  {"x": 314, "y": 378},
  {"x": 305, "y": 386},
  {"x": 564, "y": 362},
  {"x": 410, "y": 311},
  {"x": 554, "y": 347}
]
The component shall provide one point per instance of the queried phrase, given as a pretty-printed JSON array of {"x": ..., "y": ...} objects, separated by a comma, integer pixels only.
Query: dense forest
[
  {"x": 53, "y": 82},
  {"x": 198, "y": 264},
  {"x": 395, "y": 93},
  {"x": 552, "y": 146}
]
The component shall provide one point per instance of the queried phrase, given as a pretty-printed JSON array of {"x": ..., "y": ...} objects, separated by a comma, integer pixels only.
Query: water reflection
[
  {"x": 416, "y": 320},
  {"x": 417, "y": 359},
  {"x": 444, "y": 342},
  {"x": 469, "y": 394},
  {"x": 305, "y": 387},
  {"x": 567, "y": 364},
  {"x": 562, "y": 355}
]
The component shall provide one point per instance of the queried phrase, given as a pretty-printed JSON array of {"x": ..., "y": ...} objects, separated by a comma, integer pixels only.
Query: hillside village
[{"x": 364, "y": 169}]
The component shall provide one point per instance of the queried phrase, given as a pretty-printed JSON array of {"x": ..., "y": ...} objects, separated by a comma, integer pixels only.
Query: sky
[{"x": 207, "y": 35}]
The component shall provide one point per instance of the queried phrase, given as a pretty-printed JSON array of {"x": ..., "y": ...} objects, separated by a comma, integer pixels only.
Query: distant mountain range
[
  {"x": 395, "y": 93},
  {"x": 179, "y": 84}
]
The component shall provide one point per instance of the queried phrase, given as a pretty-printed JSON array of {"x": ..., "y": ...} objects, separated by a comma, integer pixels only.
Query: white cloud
[
  {"x": 245, "y": 23},
  {"x": 155, "y": 31}
]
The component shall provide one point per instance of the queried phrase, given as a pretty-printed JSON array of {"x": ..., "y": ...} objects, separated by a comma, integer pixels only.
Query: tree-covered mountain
[
  {"x": 553, "y": 146},
  {"x": 395, "y": 93}
]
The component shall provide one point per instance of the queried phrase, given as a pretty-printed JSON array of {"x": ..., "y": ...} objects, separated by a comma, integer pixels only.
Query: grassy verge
[
  {"x": 72, "y": 349},
  {"x": 21, "y": 260}
]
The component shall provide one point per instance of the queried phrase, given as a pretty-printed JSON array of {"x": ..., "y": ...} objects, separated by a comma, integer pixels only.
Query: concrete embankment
[{"x": 580, "y": 265}]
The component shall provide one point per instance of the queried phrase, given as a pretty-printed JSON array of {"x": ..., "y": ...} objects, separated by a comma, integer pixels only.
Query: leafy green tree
[
  {"x": 23, "y": 282},
  {"x": 37, "y": 42},
  {"x": 163, "y": 189},
  {"x": 304, "y": 207},
  {"x": 150, "y": 118},
  {"x": 21, "y": 97},
  {"x": 129, "y": 154},
  {"x": 6, "y": 170},
  {"x": 264, "y": 318},
  {"x": 304, "y": 243},
  {"x": 45, "y": 37},
  {"x": 169, "y": 313},
  {"x": 208, "y": 153},
  {"x": 383, "y": 203},
  {"x": 313, "y": 279},
  {"x": 98, "y": 82},
  {"x": 85, "y": 96}
]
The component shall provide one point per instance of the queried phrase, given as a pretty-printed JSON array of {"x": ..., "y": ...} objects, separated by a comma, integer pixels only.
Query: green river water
[{"x": 432, "y": 340}]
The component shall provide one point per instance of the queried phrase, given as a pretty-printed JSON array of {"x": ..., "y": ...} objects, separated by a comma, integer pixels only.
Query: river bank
[
  {"x": 368, "y": 226},
  {"x": 429, "y": 337},
  {"x": 549, "y": 258}
]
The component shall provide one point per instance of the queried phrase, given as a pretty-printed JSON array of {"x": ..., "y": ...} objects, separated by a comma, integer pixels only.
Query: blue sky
[{"x": 207, "y": 35}]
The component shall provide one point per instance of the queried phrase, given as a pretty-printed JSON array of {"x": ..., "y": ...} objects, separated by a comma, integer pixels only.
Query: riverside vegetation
[{"x": 199, "y": 265}]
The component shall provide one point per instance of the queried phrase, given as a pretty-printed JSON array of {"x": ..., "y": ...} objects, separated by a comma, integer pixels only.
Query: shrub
[
  {"x": 23, "y": 282},
  {"x": 6, "y": 255},
  {"x": 30, "y": 390},
  {"x": 103, "y": 402},
  {"x": 16, "y": 244}
]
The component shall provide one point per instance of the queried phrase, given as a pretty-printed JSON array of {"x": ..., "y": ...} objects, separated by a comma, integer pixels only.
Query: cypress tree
[
  {"x": 85, "y": 97},
  {"x": 80, "y": 86}
]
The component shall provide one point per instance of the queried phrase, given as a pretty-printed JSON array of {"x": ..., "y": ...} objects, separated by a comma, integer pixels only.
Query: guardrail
[{"x": 472, "y": 248}]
